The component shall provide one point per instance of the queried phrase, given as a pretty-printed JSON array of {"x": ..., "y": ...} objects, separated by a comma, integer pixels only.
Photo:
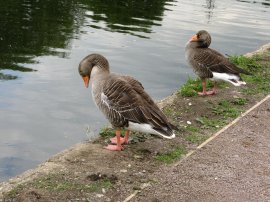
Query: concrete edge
[{"x": 262, "y": 49}]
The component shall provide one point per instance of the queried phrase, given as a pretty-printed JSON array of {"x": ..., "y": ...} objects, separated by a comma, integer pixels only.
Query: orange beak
[
  {"x": 194, "y": 38},
  {"x": 86, "y": 80}
]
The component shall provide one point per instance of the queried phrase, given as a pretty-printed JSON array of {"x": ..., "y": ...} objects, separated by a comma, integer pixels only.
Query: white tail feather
[
  {"x": 146, "y": 128},
  {"x": 228, "y": 78}
]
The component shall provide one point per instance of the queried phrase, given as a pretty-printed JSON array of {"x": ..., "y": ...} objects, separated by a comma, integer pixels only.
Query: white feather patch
[
  {"x": 146, "y": 128},
  {"x": 228, "y": 77},
  {"x": 104, "y": 99}
]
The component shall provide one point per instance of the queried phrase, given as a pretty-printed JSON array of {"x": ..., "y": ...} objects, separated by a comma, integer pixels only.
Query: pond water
[{"x": 44, "y": 106}]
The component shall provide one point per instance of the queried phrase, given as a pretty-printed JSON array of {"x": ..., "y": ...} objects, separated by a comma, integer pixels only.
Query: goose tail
[
  {"x": 165, "y": 132},
  {"x": 232, "y": 78},
  {"x": 168, "y": 137}
]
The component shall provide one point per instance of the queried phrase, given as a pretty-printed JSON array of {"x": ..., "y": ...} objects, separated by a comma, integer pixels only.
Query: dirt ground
[{"x": 87, "y": 172}]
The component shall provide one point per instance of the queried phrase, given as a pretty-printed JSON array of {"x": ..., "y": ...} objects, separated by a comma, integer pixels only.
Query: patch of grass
[
  {"x": 260, "y": 83},
  {"x": 249, "y": 91},
  {"x": 107, "y": 132},
  {"x": 192, "y": 128},
  {"x": 188, "y": 89},
  {"x": 192, "y": 86},
  {"x": 248, "y": 63},
  {"x": 14, "y": 192},
  {"x": 172, "y": 156},
  {"x": 225, "y": 109},
  {"x": 260, "y": 74},
  {"x": 223, "y": 84},
  {"x": 196, "y": 138},
  {"x": 96, "y": 186},
  {"x": 53, "y": 183},
  {"x": 210, "y": 124},
  {"x": 239, "y": 101},
  {"x": 168, "y": 111}
]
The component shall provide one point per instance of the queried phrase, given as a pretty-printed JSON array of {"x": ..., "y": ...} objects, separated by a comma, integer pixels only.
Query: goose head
[
  {"x": 201, "y": 39},
  {"x": 92, "y": 66}
]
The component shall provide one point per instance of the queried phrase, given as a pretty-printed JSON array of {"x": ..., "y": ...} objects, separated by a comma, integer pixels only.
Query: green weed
[
  {"x": 225, "y": 109},
  {"x": 56, "y": 183},
  {"x": 247, "y": 63},
  {"x": 172, "y": 156},
  {"x": 168, "y": 111},
  {"x": 260, "y": 83},
  {"x": 260, "y": 75},
  {"x": 196, "y": 138},
  {"x": 107, "y": 132},
  {"x": 15, "y": 191},
  {"x": 192, "y": 128},
  {"x": 192, "y": 86},
  {"x": 210, "y": 124},
  {"x": 239, "y": 101}
]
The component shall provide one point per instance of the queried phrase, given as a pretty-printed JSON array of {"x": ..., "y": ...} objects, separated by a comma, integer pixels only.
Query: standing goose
[
  {"x": 123, "y": 101},
  {"x": 210, "y": 64}
]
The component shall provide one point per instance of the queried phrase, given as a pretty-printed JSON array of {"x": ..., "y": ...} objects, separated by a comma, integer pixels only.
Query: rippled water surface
[{"x": 44, "y": 106}]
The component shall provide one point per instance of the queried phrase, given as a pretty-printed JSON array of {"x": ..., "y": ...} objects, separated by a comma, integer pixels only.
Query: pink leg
[
  {"x": 118, "y": 146},
  {"x": 204, "y": 92},
  {"x": 126, "y": 136},
  {"x": 123, "y": 140},
  {"x": 215, "y": 87}
]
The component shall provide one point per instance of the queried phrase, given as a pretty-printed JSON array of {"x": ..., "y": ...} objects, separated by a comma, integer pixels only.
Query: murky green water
[{"x": 44, "y": 106}]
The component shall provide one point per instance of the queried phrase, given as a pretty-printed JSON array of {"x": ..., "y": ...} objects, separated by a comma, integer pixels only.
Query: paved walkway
[{"x": 233, "y": 166}]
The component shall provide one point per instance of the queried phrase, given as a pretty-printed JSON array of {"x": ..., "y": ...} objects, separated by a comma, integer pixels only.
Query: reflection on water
[
  {"x": 45, "y": 105},
  {"x": 7, "y": 76},
  {"x": 134, "y": 17},
  {"x": 265, "y": 2},
  {"x": 34, "y": 28},
  {"x": 210, "y": 5}
]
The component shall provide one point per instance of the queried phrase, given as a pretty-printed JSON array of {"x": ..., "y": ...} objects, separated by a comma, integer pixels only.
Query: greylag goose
[
  {"x": 123, "y": 101},
  {"x": 210, "y": 64}
]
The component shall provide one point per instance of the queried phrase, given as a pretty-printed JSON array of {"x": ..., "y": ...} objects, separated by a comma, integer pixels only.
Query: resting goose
[
  {"x": 123, "y": 101},
  {"x": 210, "y": 64}
]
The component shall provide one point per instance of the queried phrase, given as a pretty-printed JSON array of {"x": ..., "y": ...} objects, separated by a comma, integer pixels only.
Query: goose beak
[
  {"x": 86, "y": 80},
  {"x": 194, "y": 38}
]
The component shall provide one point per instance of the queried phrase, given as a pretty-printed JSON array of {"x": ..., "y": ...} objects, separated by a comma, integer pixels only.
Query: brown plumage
[
  {"x": 123, "y": 100},
  {"x": 210, "y": 64}
]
